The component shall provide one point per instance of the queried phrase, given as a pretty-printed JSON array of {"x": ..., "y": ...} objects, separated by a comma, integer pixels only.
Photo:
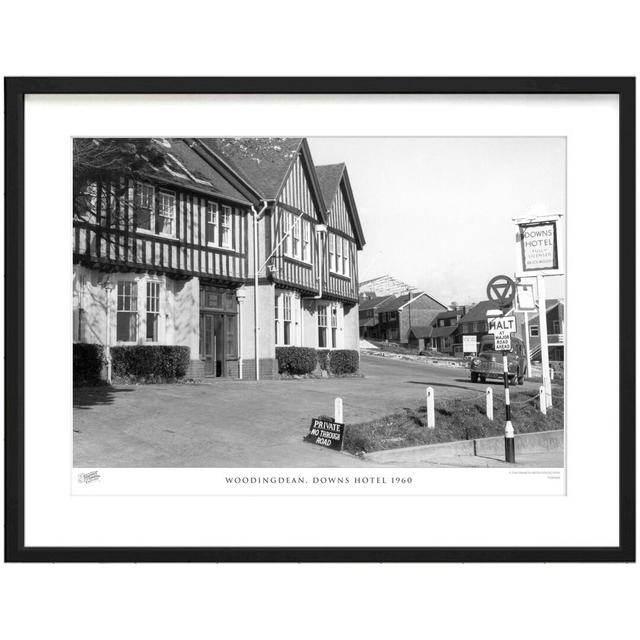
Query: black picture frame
[{"x": 15, "y": 91}]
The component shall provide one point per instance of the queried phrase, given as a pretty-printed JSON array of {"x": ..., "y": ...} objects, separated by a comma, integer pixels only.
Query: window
[
  {"x": 534, "y": 330},
  {"x": 332, "y": 251},
  {"x": 166, "y": 213},
  {"x": 286, "y": 225},
  {"x": 287, "y": 314},
  {"x": 556, "y": 326},
  {"x": 153, "y": 310},
  {"x": 127, "y": 312},
  {"x": 334, "y": 326},
  {"x": 225, "y": 227},
  {"x": 322, "y": 326},
  {"x": 345, "y": 257},
  {"x": 338, "y": 242},
  {"x": 295, "y": 238},
  {"x": 211, "y": 230},
  {"x": 306, "y": 241},
  {"x": 144, "y": 204},
  {"x": 286, "y": 318}
]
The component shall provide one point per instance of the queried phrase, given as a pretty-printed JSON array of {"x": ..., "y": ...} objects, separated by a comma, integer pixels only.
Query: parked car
[{"x": 488, "y": 362}]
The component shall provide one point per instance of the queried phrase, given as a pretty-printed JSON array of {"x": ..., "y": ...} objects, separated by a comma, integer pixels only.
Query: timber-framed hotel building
[{"x": 230, "y": 246}]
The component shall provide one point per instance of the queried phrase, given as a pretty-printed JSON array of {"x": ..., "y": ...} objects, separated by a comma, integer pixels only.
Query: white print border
[{"x": 372, "y": 481}]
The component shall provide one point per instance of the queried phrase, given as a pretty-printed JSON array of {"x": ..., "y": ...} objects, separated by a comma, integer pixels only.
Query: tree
[{"x": 100, "y": 164}]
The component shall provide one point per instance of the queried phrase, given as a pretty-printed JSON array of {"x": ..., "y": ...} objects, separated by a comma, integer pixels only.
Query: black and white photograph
[
  {"x": 355, "y": 315},
  {"x": 324, "y": 302}
]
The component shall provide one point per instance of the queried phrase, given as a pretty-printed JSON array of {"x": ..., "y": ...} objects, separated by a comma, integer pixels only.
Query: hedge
[
  {"x": 154, "y": 363},
  {"x": 87, "y": 364},
  {"x": 296, "y": 360},
  {"x": 303, "y": 360},
  {"x": 323, "y": 359},
  {"x": 343, "y": 361}
]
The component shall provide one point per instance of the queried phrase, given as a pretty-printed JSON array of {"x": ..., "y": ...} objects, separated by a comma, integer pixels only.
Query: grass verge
[{"x": 456, "y": 419}]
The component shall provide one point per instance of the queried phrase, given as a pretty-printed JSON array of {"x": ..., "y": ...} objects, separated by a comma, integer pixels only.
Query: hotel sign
[
  {"x": 539, "y": 246},
  {"x": 326, "y": 433}
]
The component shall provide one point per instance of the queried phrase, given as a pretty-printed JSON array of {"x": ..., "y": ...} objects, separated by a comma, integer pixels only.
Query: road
[{"x": 230, "y": 423}]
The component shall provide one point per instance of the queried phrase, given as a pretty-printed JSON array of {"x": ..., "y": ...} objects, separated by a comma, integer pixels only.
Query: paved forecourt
[{"x": 228, "y": 423}]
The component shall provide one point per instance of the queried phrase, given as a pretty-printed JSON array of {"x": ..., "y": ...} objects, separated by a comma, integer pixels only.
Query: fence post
[
  {"x": 489, "y": 395},
  {"x": 431, "y": 416},
  {"x": 543, "y": 400},
  {"x": 337, "y": 410},
  {"x": 551, "y": 373}
]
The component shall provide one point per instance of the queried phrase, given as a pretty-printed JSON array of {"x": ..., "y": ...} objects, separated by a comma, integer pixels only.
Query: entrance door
[{"x": 212, "y": 344}]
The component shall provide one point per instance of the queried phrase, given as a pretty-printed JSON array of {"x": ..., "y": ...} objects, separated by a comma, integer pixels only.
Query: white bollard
[
  {"x": 489, "y": 396},
  {"x": 431, "y": 415},
  {"x": 337, "y": 410},
  {"x": 543, "y": 400},
  {"x": 551, "y": 373}
]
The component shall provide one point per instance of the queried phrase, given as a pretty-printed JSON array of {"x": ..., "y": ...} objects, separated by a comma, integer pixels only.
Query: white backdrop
[{"x": 467, "y": 38}]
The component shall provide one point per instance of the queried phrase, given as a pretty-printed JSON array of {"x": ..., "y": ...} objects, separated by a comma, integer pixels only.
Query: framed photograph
[{"x": 320, "y": 319}]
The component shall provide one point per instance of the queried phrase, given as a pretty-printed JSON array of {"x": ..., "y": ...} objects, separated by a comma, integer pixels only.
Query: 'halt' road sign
[
  {"x": 502, "y": 342},
  {"x": 503, "y": 325}
]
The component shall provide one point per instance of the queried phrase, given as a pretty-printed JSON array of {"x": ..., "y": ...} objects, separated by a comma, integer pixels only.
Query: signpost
[
  {"x": 539, "y": 253},
  {"x": 526, "y": 302},
  {"x": 326, "y": 433},
  {"x": 502, "y": 290}
]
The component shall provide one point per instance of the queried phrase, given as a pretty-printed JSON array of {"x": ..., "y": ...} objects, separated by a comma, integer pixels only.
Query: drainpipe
[
  {"x": 256, "y": 217},
  {"x": 108, "y": 287}
]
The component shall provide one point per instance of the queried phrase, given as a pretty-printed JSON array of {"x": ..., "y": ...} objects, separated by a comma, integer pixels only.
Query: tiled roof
[
  {"x": 479, "y": 312},
  {"x": 420, "y": 331},
  {"x": 393, "y": 304},
  {"x": 371, "y": 303},
  {"x": 182, "y": 167},
  {"x": 329, "y": 176},
  {"x": 446, "y": 315},
  {"x": 186, "y": 168},
  {"x": 442, "y": 332},
  {"x": 262, "y": 162},
  {"x": 551, "y": 304}
]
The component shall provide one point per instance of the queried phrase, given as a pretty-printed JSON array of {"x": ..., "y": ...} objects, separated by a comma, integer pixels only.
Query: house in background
[
  {"x": 443, "y": 330},
  {"x": 555, "y": 332},
  {"x": 475, "y": 323},
  {"x": 397, "y": 315},
  {"x": 368, "y": 316}
]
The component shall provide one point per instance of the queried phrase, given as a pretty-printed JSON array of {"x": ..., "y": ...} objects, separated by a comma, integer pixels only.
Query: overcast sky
[{"x": 436, "y": 212}]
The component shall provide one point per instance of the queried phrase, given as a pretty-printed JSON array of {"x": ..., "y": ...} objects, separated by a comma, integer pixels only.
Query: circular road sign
[{"x": 501, "y": 289}]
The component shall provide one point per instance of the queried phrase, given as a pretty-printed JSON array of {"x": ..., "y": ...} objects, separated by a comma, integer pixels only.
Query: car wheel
[{"x": 474, "y": 377}]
